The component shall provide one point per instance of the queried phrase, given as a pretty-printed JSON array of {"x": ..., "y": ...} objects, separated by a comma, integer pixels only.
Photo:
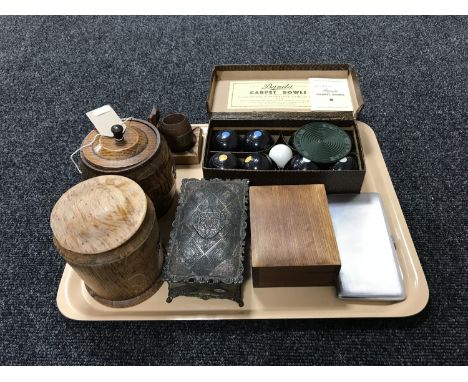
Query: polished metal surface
[{"x": 369, "y": 265}]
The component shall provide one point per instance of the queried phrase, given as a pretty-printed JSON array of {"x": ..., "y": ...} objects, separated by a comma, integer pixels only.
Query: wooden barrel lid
[
  {"x": 99, "y": 214},
  {"x": 140, "y": 142}
]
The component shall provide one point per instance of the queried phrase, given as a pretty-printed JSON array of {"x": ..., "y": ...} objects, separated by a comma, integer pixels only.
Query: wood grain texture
[
  {"x": 291, "y": 226},
  {"x": 291, "y": 229},
  {"x": 193, "y": 155},
  {"x": 139, "y": 143},
  {"x": 178, "y": 132},
  {"x": 99, "y": 214},
  {"x": 150, "y": 165},
  {"x": 124, "y": 275}
]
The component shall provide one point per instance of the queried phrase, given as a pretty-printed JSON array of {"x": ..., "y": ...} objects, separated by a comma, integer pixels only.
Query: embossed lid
[
  {"x": 99, "y": 214},
  {"x": 207, "y": 239},
  {"x": 140, "y": 142}
]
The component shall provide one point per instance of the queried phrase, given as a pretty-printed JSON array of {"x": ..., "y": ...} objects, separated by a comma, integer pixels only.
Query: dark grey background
[{"x": 414, "y": 78}]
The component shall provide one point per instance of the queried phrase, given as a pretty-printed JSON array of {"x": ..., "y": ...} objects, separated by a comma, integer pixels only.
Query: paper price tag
[
  {"x": 330, "y": 94},
  {"x": 103, "y": 119}
]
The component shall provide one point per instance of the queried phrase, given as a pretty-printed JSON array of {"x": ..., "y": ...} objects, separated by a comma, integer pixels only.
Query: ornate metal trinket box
[{"x": 205, "y": 254}]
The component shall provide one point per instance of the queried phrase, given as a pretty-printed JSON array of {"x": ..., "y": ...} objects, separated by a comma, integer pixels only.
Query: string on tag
[
  {"x": 81, "y": 148},
  {"x": 90, "y": 144}
]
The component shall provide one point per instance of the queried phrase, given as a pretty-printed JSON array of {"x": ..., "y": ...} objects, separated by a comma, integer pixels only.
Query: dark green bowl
[{"x": 322, "y": 142}]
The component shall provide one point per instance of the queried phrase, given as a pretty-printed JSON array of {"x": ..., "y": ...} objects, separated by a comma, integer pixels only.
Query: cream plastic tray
[{"x": 75, "y": 303}]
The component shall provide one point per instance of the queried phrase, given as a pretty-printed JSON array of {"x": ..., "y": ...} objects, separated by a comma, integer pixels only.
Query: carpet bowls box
[{"x": 279, "y": 100}]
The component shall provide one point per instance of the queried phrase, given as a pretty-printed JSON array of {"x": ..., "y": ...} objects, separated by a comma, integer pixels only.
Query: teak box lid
[
  {"x": 223, "y": 75},
  {"x": 292, "y": 236}
]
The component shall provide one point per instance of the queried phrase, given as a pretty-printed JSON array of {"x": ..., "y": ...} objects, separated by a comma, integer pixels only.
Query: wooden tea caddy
[
  {"x": 106, "y": 230},
  {"x": 282, "y": 123},
  {"x": 141, "y": 155}
]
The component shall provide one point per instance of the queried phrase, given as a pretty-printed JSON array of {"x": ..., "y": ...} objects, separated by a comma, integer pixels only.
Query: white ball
[{"x": 281, "y": 154}]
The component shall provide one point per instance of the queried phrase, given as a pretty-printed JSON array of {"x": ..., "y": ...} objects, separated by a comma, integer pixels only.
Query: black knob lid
[{"x": 117, "y": 130}]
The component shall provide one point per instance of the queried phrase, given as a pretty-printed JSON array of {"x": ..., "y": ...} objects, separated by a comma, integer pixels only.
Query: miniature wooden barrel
[
  {"x": 178, "y": 132},
  {"x": 106, "y": 229},
  {"x": 142, "y": 155}
]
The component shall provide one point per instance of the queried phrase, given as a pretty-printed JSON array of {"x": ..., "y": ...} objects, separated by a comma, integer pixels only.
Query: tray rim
[{"x": 68, "y": 308}]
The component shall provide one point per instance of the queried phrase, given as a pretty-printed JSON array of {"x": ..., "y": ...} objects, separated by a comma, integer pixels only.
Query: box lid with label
[{"x": 298, "y": 91}]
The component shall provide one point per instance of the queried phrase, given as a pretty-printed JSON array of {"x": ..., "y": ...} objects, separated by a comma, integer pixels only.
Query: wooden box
[
  {"x": 292, "y": 237},
  {"x": 282, "y": 122}
]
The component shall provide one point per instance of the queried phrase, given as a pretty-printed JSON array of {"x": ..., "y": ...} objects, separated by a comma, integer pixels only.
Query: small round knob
[{"x": 117, "y": 130}]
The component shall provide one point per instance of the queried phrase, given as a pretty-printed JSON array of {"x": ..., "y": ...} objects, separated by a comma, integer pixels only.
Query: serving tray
[{"x": 75, "y": 303}]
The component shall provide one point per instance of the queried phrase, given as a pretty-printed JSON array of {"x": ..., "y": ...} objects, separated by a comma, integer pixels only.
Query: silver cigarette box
[{"x": 369, "y": 264}]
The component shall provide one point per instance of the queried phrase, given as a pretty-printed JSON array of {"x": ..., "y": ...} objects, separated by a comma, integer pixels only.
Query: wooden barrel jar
[
  {"x": 106, "y": 230},
  {"x": 178, "y": 132},
  {"x": 141, "y": 154}
]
